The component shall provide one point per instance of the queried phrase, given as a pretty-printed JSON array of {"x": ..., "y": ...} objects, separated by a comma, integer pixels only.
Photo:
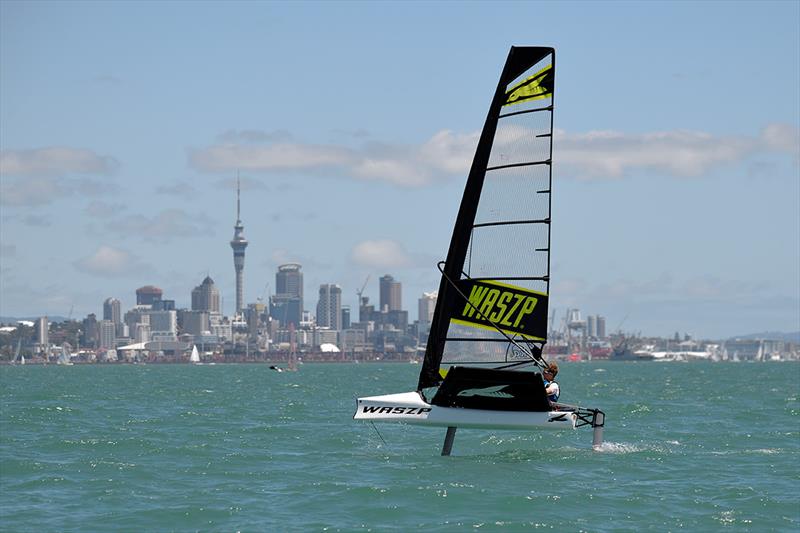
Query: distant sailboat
[
  {"x": 195, "y": 357},
  {"x": 18, "y": 359},
  {"x": 63, "y": 357}
]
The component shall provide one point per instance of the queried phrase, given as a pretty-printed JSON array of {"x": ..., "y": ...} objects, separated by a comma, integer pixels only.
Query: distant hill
[
  {"x": 773, "y": 336},
  {"x": 14, "y": 320}
]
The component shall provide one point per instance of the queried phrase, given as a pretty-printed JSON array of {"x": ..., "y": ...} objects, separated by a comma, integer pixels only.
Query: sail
[
  {"x": 195, "y": 357},
  {"x": 493, "y": 295}
]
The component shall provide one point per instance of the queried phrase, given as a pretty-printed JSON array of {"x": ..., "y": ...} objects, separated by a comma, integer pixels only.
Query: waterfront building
[
  {"x": 142, "y": 332},
  {"x": 329, "y": 307},
  {"x": 205, "y": 297},
  {"x": 601, "y": 327},
  {"x": 194, "y": 322},
  {"x": 238, "y": 244},
  {"x": 426, "y": 306},
  {"x": 107, "y": 334},
  {"x": 148, "y": 295},
  {"x": 391, "y": 298},
  {"x": 163, "y": 325}
]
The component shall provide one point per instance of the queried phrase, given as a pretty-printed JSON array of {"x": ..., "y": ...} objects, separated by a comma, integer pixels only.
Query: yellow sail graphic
[{"x": 536, "y": 87}]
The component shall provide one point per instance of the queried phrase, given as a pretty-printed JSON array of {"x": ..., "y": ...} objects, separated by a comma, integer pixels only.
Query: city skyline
[{"x": 675, "y": 203}]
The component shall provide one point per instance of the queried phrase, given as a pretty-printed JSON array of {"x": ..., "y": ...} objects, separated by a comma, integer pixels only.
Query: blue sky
[{"x": 676, "y": 200}]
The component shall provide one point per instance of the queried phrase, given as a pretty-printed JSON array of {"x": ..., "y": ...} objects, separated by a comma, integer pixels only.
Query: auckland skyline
[{"x": 676, "y": 203}]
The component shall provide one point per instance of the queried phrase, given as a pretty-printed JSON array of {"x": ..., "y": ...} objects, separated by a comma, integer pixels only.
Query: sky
[{"x": 123, "y": 126}]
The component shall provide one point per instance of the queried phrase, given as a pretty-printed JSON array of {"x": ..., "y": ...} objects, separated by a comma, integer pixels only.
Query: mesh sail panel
[{"x": 508, "y": 253}]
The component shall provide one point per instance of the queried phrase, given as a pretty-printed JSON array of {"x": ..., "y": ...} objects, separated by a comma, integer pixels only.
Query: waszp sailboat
[{"x": 490, "y": 321}]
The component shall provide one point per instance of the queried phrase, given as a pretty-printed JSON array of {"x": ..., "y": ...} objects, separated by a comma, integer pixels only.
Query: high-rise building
[
  {"x": 286, "y": 305},
  {"x": 329, "y": 307},
  {"x": 289, "y": 280},
  {"x": 238, "y": 243},
  {"x": 391, "y": 298},
  {"x": 427, "y": 305},
  {"x": 90, "y": 331},
  {"x": 205, "y": 297},
  {"x": 108, "y": 334},
  {"x": 601, "y": 327},
  {"x": 112, "y": 310},
  {"x": 42, "y": 334},
  {"x": 591, "y": 326},
  {"x": 148, "y": 295}
]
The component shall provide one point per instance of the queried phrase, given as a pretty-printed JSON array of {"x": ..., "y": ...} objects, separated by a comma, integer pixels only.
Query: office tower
[
  {"x": 427, "y": 305},
  {"x": 289, "y": 280},
  {"x": 205, "y": 297},
  {"x": 345, "y": 317},
  {"x": 108, "y": 336},
  {"x": 391, "y": 294},
  {"x": 329, "y": 307},
  {"x": 286, "y": 305},
  {"x": 91, "y": 332},
  {"x": 112, "y": 310},
  {"x": 148, "y": 295},
  {"x": 601, "y": 327},
  {"x": 238, "y": 243},
  {"x": 591, "y": 326}
]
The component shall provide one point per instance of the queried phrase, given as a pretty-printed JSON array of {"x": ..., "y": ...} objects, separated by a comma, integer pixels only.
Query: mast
[{"x": 519, "y": 60}]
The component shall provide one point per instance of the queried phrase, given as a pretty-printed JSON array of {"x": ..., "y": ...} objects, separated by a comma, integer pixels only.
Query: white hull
[{"x": 410, "y": 408}]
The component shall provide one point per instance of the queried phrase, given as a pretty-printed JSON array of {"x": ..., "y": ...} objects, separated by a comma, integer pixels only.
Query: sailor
[{"x": 550, "y": 386}]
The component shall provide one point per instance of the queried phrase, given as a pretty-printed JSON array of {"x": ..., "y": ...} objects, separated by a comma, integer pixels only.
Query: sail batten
[{"x": 502, "y": 231}]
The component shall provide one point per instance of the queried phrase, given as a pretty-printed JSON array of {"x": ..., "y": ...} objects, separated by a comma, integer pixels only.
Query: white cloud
[
  {"x": 610, "y": 154},
  {"x": 381, "y": 254},
  {"x": 782, "y": 138},
  {"x": 54, "y": 161},
  {"x": 603, "y": 154},
  {"x": 443, "y": 155},
  {"x": 111, "y": 262}
]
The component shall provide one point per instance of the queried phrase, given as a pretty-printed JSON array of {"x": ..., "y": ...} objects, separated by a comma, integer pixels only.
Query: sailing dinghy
[{"x": 484, "y": 351}]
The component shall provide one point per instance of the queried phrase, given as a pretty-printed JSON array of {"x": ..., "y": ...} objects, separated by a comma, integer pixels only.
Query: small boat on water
[
  {"x": 482, "y": 363},
  {"x": 194, "y": 358}
]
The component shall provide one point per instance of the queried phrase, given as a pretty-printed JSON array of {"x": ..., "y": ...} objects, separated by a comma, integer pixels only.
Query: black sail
[{"x": 492, "y": 302}]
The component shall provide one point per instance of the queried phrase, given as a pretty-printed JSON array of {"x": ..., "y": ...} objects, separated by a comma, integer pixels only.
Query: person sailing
[{"x": 550, "y": 386}]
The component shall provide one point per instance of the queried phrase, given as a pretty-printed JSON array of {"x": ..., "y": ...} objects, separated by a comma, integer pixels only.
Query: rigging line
[
  {"x": 540, "y": 362},
  {"x": 378, "y": 432}
]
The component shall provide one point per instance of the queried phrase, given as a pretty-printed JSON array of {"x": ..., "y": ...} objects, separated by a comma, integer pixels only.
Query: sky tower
[{"x": 238, "y": 243}]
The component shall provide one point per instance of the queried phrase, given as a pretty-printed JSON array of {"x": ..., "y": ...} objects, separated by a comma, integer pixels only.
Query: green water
[{"x": 694, "y": 447}]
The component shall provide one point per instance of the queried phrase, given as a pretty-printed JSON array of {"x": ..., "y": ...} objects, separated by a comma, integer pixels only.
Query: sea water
[{"x": 694, "y": 447}]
